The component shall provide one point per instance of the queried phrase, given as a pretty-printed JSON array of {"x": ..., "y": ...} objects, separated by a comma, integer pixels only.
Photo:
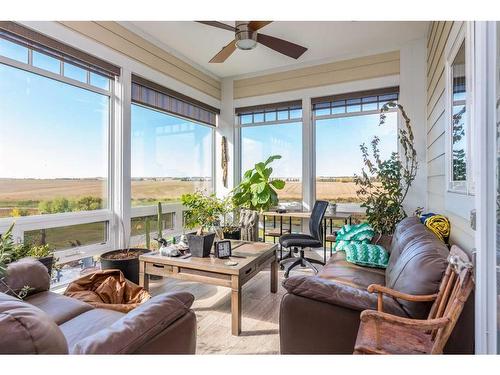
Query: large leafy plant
[
  {"x": 384, "y": 184},
  {"x": 257, "y": 191},
  {"x": 204, "y": 211}
]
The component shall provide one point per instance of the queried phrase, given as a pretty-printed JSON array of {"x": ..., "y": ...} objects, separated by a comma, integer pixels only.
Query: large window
[
  {"x": 54, "y": 123},
  {"x": 458, "y": 169},
  {"x": 275, "y": 130},
  {"x": 342, "y": 124},
  {"x": 171, "y": 156}
]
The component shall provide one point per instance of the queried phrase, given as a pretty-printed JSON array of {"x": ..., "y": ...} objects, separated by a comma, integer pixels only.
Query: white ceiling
[{"x": 325, "y": 40}]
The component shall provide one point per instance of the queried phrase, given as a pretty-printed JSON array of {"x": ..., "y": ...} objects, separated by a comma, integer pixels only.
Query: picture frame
[{"x": 223, "y": 249}]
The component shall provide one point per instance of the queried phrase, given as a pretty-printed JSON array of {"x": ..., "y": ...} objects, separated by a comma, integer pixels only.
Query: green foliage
[
  {"x": 6, "y": 249},
  {"x": 54, "y": 206},
  {"x": 6, "y": 257},
  {"x": 86, "y": 203},
  {"x": 17, "y": 212},
  {"x": 204, "y": 211},
  {"x": 257, "y": 191},
  {"x": 384, "y": 184},
  {"x": 59, "y": 205},
  {"x": 39, "y": 251}
]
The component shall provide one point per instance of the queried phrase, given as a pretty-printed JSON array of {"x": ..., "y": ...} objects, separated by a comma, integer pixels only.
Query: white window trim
[
  {"x": 36, "y": 222},
  {"x": 460, "y": 201},
  {"x": 308, "y": 129}
]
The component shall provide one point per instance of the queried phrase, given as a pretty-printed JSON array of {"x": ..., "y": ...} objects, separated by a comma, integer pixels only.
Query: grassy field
[{"x": 27, "y": 193}]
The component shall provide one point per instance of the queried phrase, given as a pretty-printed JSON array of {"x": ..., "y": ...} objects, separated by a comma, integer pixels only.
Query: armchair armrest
[
  {"x": 421, "y": 324},
  {"x": 138, "y": 327},
  {"x": 381, "y": 290}
]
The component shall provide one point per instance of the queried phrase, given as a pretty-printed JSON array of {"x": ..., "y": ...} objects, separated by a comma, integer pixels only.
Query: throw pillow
[
  {"x": 366, "y": 254},
  {"x": 359, "y": 232}
]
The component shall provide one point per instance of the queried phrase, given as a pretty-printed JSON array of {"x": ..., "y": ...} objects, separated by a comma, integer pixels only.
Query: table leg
[
  {"x": 235, "y": 306},
  {"x": 143, "y": 276},
  {"x": 274, "y": 275}
]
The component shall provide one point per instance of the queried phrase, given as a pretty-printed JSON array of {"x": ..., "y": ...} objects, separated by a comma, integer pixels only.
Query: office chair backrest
[{"x": 316, "y": 219}]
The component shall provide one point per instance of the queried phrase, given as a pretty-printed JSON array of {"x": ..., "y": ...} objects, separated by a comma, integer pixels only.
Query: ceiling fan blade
[
  {"x": 218, "y": 24},
  {"x": 282, "y": 46},
  {"x": 256, "y": 25},
  {"x": 224, "y": 53}
]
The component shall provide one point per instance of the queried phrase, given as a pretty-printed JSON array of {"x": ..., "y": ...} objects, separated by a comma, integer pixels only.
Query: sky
[
  {"x": 337, "y": 144},
  {"x": 49, "y": 129}
]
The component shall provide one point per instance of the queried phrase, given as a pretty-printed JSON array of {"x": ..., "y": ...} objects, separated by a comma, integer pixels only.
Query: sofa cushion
[
  {"x": 28, "y": 330},
  {"x": 88, "y": 323},
  {"x": 416, "y": 265},
  {"x": 58, "y": 307},
  {"x": 339, "y": 294},
  {"x": 339, "y": 270}
]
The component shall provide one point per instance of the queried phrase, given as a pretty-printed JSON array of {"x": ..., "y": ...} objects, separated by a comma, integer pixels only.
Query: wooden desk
[
  {"x": 346, "y": 216},
  {"x": 252, "y": 257}
]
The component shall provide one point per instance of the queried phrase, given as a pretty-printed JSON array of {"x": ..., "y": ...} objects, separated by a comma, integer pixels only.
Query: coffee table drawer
[{"x": 158, "y": 269}]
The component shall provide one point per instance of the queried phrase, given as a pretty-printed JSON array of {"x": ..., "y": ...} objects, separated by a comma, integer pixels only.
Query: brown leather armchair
[
  {"x": 321, "y": 314},
  {"x": 50, "y": 323}
]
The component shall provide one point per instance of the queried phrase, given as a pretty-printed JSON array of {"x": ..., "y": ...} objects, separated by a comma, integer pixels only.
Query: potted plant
[
  {"x": 230, "y": 227},
  {"x": 257, "y": 190},
  {"x": 6, "y": 256},
  {"x": 384, "y": 184},
  {"x": 127, "y": 260},
  {"x": 204, "y": 213},
  {"x": 42, "y": 253}
]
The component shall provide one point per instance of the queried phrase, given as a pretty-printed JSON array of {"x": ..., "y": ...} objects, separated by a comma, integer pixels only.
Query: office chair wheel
[{"x": 282, "y": 267}]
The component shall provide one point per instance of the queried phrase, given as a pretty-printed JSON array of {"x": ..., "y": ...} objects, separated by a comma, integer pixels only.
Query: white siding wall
[{"x": 461, "y": 232}]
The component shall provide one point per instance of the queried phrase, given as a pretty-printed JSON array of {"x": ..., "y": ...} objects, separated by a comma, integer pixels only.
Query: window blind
[
  {"x": 372, "y": 99},
  {"x": 153, "y": 95},
  {"x": 34, "y": 40}
]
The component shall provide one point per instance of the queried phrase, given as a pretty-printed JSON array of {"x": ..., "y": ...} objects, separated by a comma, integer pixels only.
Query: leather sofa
[
  {"x": 50, "y": 323},
  {"x": 320, "y": 314}
]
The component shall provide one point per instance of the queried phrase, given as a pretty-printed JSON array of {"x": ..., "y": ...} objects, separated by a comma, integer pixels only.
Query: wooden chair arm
[
  {"x": 421, "y": 324},
  {"x": 381, "y": 290}
]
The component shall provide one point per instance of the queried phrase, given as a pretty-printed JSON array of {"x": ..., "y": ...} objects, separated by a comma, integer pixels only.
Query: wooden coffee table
[{"x": 252, "y": 257}]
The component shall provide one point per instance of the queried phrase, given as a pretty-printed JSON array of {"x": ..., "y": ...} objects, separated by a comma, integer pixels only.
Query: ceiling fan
[{"x": 246, "y": 38}]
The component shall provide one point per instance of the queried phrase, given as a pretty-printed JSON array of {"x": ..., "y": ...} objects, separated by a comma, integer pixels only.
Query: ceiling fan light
[{"x": 246, "y": 44}]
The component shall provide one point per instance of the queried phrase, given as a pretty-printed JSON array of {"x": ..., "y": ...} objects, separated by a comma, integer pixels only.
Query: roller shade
[
  {"x": 153, "y": 95},
  {"x": 34, "y": 40}
]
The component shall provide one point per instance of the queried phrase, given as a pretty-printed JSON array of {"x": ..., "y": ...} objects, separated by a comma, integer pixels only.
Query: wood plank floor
[{"x": 212, "y": 306}]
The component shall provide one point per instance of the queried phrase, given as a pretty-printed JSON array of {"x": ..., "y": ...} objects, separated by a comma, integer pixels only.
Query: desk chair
[{"x": 300, "y": 241}]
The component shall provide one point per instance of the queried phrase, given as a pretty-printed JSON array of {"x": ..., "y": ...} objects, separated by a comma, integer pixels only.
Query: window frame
[
  {"x": 175, "y": 207},
  {"x": 352, "y": 206},
  {"x": 37, "y": 222},
  {"x": 459, "y": 197},
  {"x": 238, "y": 149}
]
